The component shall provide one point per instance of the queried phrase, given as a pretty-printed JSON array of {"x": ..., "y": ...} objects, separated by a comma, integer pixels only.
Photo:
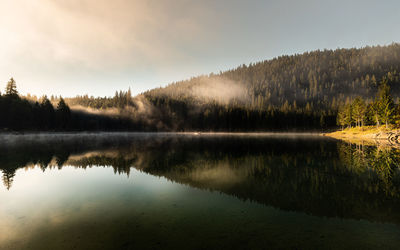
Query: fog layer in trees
[{"x": 298, "y": 92}]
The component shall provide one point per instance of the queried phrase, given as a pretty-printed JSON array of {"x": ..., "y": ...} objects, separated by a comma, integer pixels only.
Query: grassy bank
[{"x": 366, "y": 133}]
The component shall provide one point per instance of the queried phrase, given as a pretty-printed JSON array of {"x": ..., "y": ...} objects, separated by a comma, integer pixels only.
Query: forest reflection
[{"x": 315, "y": 175}]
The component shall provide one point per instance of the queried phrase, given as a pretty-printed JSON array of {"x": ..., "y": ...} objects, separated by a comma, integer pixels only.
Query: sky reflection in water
[{"x": 130, "y": 191}]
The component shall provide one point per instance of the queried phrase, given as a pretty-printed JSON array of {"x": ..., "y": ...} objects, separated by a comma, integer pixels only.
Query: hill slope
[
  {"x": 289, "y": 92},
  {"x": 320, "y": 77}
]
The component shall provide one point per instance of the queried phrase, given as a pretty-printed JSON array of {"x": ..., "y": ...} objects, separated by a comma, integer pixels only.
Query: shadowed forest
[{"x": 311, "y": 91}]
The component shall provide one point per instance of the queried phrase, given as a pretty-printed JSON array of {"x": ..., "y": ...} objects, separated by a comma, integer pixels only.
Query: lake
[{"x": 197, "y": 191}]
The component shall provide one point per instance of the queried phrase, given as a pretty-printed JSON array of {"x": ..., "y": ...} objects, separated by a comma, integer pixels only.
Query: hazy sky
[{"x": 74, "y": 47}]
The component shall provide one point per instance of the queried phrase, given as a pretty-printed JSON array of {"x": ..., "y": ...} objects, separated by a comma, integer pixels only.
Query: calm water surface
[{"x": 152, "y": 191}]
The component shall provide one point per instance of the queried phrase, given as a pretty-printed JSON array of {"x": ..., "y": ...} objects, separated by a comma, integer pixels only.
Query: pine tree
[
  {"x": 348, "y": 118},
  {"x": 11, "y": 88},
  {"x": 63, "y": 113},
  {"x": 341, "y": 117},
  {"x": 48, "y": 113},
  {"x": 385, "y": 104},
  {"x": 358, "y": 111}
]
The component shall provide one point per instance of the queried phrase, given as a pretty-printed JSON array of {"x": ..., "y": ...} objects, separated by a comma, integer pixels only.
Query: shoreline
[
  {"x": 371, "y": 134},
  {"x": 208, "y": 133}
]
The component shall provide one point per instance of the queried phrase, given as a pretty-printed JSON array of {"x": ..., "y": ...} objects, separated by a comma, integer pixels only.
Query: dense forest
[
  {"x": 22, "y": 114},
  {"x": 301, "y": 91},
  {"x": 297, "y": 92}
]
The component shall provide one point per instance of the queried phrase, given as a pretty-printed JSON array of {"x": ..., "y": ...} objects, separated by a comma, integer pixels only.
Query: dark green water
[{"x": 155, "y": 191}]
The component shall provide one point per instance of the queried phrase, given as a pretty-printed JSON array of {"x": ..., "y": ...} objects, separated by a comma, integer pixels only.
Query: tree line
[
  {"x": 299, "y": 92},
  {"x": 381, "y": 111},
  {"x": 120, "y": 100},
  {"x": 21, "y": 114},
  {"x": 18, "y": 113}
]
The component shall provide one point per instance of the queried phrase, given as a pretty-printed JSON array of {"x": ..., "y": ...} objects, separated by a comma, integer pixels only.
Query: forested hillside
[
  {"x": 298, "y": 92},
  {"x": 320, "y": 79},
  {"x": 289, "y": 92}
]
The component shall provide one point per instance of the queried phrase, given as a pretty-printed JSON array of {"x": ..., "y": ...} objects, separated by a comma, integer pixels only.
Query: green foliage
[
  {"x": 375, "y": 112},
  {"x": 341, "y": 117},
  {"x": 299, "y": 92},
  {"x": 359, "y": 111},
  {"x": 323, "y": 80},
  {"x": 385, "y": 104},
  {"x": 382, "y": 110},
  {"x": 289, "y": 92}
]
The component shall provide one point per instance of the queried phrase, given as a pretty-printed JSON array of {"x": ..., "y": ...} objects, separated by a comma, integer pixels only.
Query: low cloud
[{"x": 219, "y": 89}]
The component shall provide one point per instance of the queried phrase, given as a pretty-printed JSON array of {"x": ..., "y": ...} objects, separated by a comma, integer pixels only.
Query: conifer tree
[
  {"x": 374, "y": 112},
  {"x": 63, "y": 114},
  {"x": 359, "y": 111},
  {"x": 349, "y": 115},
  {"x": 11, "y": 88},
  {"x": 48, "y": 113},
  {"x": 341, "y": 117},
  {"x": 385, "y": 104}
]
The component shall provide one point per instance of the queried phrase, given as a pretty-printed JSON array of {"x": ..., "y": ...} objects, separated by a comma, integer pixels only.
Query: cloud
[
  {"x": 68, "y": 47},
  {"x": 100, "y": 34}
]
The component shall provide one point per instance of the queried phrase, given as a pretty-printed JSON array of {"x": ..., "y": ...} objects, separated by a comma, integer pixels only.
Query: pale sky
[{"x": 96, "y": 47}]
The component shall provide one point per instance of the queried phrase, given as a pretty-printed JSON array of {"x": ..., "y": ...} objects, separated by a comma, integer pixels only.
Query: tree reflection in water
[{"x": 314, "y": 175}]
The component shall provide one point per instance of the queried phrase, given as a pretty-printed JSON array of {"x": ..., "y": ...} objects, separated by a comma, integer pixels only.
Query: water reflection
[{"x": 314, "y": 175}]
